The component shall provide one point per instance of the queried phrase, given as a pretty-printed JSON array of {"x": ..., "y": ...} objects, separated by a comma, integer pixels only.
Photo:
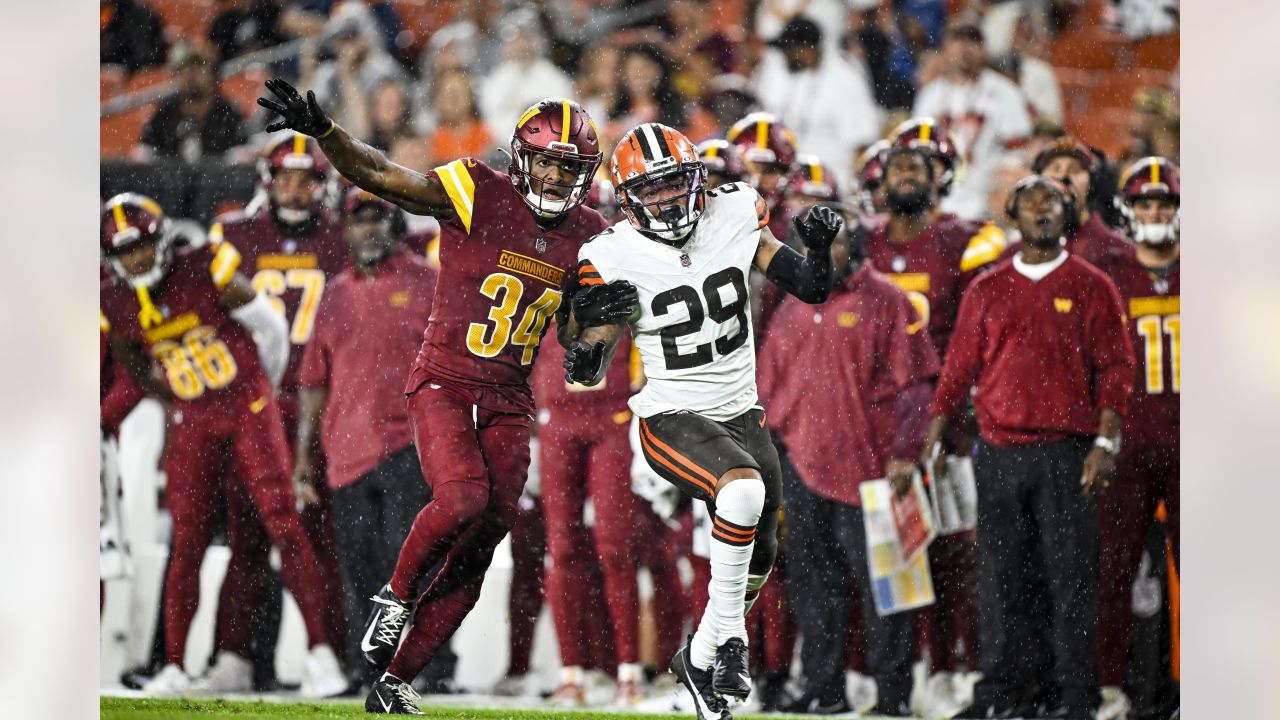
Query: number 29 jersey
[
  {"x": 499, "y": 285},
  {"x": 693, "y": 323}
]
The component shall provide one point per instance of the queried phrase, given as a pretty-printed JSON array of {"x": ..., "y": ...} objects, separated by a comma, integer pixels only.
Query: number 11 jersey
[
  {"x": 693, "y": 322},
  {"x": 499, "y": 285}
]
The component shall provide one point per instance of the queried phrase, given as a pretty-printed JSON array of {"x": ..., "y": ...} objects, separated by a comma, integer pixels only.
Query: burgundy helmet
[
  {"x": 560, "y": 130},
  {"x": 603, "y": 200},
  {"x": 1151, "y": 177},
  {"x": 926, "y": 133},
  {"x": 764, "y": 140},
  {"x": 869, "y": 169},
  {"x": 294, "y": 151},
  {"x": 130, "y": 220},
  {"x": 723, "y": 158},
  {"x": 813, "y": 179}
]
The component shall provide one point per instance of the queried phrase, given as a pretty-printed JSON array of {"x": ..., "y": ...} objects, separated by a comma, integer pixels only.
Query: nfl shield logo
[
  {"x": 540, "y": 245},
  {"x": 684, "y": 260}
]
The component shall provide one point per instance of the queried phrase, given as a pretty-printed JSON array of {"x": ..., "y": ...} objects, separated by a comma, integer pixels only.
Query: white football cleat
[
  {"x": 171, "y": 680},
  {"x": 1115, "y": 704},
  {"x": 323, "y": 676},
  {"x": 229, "y": 673},
  {"x": 511, "y": 686}
]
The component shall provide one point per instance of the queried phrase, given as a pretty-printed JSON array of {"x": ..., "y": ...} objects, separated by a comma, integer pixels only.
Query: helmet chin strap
[
  {"x": 1155, "y": 233},
  {"x": 290, "y": 216}
]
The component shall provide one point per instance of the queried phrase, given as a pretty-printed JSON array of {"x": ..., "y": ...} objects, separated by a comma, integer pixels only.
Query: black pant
[
  {"x": 371, "y": 518},
  {"x": 829, "y": 552},
  {"x": 1038, "y": 584}
]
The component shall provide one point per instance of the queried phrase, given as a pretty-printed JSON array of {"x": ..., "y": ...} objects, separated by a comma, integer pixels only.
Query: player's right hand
[
  {"x": 582, "y": 363},
  {"x": 595, "y": 305},
  {"x": 304, "y": 481},
  {"x": 305, "y": 116}
]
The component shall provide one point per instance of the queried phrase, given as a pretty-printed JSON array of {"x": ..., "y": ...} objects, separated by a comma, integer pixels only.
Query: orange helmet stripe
[{"x": 564, "y": 122}]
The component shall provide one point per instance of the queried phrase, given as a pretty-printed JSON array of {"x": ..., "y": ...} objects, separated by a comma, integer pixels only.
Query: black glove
[
  {"x": 305, "y": 116},
  {"x": 582, "y": 363},
  {"x": 595, "y": 305},
  {"x": 819, "y": 227}
]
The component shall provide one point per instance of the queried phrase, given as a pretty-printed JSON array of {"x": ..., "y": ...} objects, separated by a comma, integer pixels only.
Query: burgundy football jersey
[
  {"x": 1152, "y": 305},
  {"x": 499, "y": 286},
  {"x": 208, "y": 360},
  {"x": 291, "y": 269},
  {"x": 936, "y": 266}
]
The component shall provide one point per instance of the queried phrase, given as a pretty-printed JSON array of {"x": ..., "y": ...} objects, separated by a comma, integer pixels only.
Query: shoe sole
[{"x": 678, "y": 668}]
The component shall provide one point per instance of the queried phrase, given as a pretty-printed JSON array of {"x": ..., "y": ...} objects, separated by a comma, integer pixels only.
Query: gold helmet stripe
[
  {"x": 299, "y": 144},
  {"x": 117, "y": 211},
  {"x": 564, "y": 122}
]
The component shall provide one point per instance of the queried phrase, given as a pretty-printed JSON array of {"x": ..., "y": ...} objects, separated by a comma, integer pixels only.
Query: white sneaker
[
  {"x": 171, "y": 680},
  {"x": 323, "y": 676},
  {"x": 944, "y": 696},
  {"x": 229, "y": 673},
  {"x": 1115, "y": 704},
  {"x": 862, "y": 691},
  {"x": 510, "y": 686}
]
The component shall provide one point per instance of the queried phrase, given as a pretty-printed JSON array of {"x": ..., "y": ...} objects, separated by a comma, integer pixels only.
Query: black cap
[{"x": 800, "y": 32}]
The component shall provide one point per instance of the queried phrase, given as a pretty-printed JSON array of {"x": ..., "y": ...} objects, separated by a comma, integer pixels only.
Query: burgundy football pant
[
  {"x": 476, "y": 462},
  {"x": 524, "y": 602},
  {"x": 771, "y": 631},
  {"x": 588, "y": 455},
  {"x": 1147, "y": 473},
  {"x": 244, "y": 589},
  {"x": 658, "y": 548},
  {"x": 194, "y": 466}
]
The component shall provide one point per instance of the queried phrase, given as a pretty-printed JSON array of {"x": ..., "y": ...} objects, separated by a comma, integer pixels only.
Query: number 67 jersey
[{"x": 693, "y": 324}]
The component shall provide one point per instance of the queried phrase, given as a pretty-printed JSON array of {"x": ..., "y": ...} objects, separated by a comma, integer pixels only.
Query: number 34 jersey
[
  {"x": 499, "y": 285},
  {"x": 693, "y": 324}
]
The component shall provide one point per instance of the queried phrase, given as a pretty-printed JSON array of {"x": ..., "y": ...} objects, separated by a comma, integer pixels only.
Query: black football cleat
[
  {"x": 384, "y": 627},
  {"x": 392, "y": 696},
  {"x": 731, "y": 675},
  {"x": 706, "y": 702}
]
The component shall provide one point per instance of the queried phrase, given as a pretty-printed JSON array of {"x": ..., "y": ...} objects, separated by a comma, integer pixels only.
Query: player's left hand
[
  {"x": 1099, "y": 467},
  {"x": 595, "y": 305},
  {"x": 581, "y": 363},
  {"x": 819, "y": 227},
  {"x": 305, "y": 116}
]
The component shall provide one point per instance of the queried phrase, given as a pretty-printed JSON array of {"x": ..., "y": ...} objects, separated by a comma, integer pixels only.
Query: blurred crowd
[{"x": 805, "y": 100}]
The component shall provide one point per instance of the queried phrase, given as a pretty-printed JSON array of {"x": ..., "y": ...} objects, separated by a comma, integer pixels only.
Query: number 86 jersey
[{"x": 693, "y": 323}]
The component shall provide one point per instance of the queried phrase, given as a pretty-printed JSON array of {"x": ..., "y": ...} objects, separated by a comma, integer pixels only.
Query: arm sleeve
[
  {"x": 314, "y": 372},
  {"x": 460, "y": 179},
  {"x": 964, "y": 359},
  {"x": 270, "y": 332},
  {"x": 1114, "y": 364},
  {"x": 120, "y": 401},
  {"x": 808, "y": 276}
]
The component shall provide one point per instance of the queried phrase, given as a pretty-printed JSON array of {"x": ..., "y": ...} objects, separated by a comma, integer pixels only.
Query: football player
[
  {"x": 508, "y": 241},
  {"x": 290, "y": 246},
  {"x": 870, "y": 171},
  {"x": 192, "y": 315},
  {"x": 1147, "y": 467},
  {"x": 1075, "y": 168},
  {"x": 723, "y": 160},
  {"x": 686, "y": 250},
  {"x": 933, "y": 256}
]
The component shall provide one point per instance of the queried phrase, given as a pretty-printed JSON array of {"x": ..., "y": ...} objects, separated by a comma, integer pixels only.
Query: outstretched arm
[
  {"x": 808, "y": 276},
  {"x": 360, "y": 163}
]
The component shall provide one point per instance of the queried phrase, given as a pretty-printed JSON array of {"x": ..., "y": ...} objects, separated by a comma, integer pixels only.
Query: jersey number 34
[
  {"x": 486, "y": 340},
  {"x": 716, "y": 308}
]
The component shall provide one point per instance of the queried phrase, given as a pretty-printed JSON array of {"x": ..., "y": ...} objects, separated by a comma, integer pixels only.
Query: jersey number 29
[{"x": 716, "y": 308}]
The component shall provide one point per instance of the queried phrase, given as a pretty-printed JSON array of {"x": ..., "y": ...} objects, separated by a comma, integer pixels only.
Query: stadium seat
[
  {"x": 1077, "y": 90},
  {"x": 1161, "y": 52},
  {"x": 243, "y": 89},
  {"x": 1116, "y": 90},
  {"x": 1089, "y": 50},
  {"x": 419, "y": 19},
  {"x": 111, "y": 81},
  {"x": 186, "y": 19},
  {"x": 148, "y": 77},
  {"x": 119, "y": 133},
  {"x": 1104, "y": 128}
]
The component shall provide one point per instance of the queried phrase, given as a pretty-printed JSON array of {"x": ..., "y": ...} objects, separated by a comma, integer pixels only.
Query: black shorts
[{"x": 693, "y": 452}]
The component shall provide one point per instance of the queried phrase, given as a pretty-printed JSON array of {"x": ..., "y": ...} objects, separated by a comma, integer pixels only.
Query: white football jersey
[{"x": 693, "y": 325}]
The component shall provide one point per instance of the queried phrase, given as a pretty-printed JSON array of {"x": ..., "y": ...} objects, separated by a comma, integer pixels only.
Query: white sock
[
  {"x": 571, "y": 675},
  {"x": 733, "y": 532},
  {"x": 754, "y": 583}
]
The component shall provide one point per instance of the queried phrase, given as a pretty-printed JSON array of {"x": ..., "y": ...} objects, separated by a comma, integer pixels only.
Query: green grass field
[{"x": 183, "y": 709}]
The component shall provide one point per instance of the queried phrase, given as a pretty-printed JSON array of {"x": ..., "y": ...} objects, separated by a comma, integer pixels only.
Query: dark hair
[{"x": 671, "y": 104}]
